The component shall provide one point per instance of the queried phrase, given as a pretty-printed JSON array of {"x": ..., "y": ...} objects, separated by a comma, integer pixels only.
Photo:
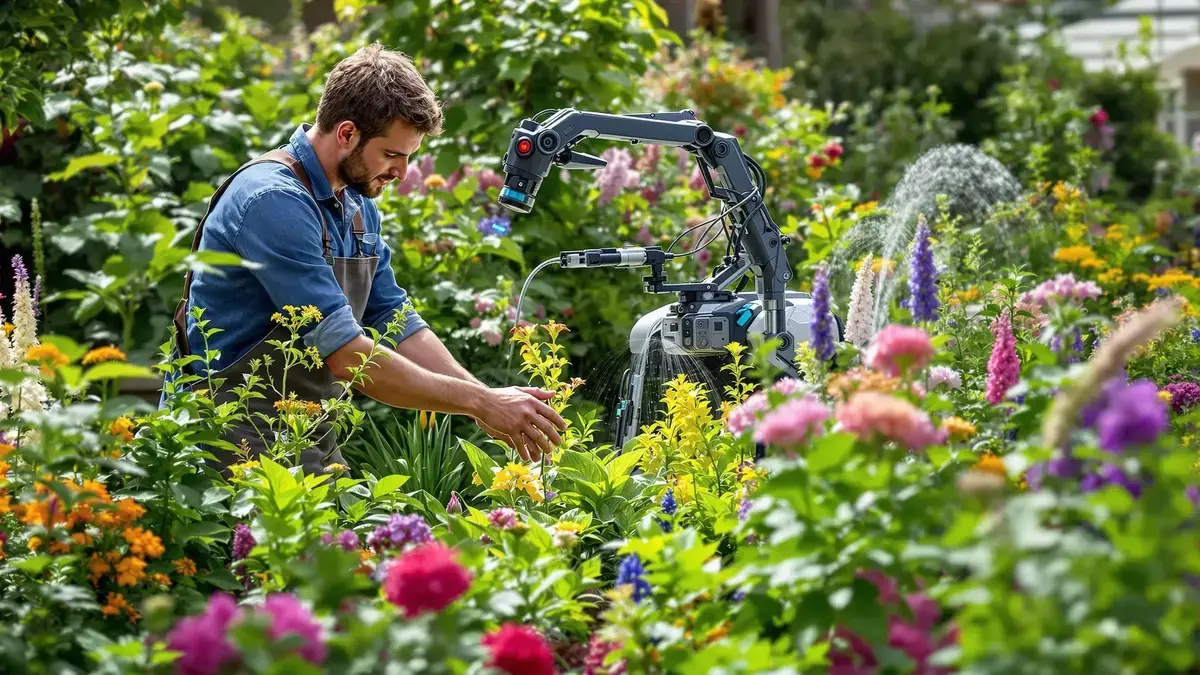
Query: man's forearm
[
  {"x": 426, "y": 350},
  {"x": 394, "y": 380}
]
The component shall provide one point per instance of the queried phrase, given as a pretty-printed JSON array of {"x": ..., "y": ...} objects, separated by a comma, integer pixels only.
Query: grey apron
[{"x": 354, "y": 276}]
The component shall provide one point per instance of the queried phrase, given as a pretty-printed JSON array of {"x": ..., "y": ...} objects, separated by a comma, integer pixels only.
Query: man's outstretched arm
[{"x": 425, "y": 349}]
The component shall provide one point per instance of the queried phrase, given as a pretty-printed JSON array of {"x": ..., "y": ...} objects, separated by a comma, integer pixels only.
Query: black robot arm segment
[{"x": 536, "y": 147}]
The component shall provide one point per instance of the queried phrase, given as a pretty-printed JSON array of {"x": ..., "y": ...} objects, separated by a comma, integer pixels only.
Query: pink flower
[
  {"x": 415, "y": 180},
  {"x": 939, "y": 375},
  {"x": 788, "y": 386},
  {"x": 492, "y": 336},
  {"x": 745, "y": 416},
  {"x": 503, "y": 518},
  {"x": 871, "y": 414},
  {"x": 476, "y": 322},
  {"x": 1004, "y": 368},
  {"x": 202, "y": 639},
  {"x": 291, "y": 618},
  {"x": 519, "y": 650},
  {"x": 1100, "y": 117},
  {"x": 1061, "y": 288},
  {"x": 426, "y": 579},
  {"x": 484, "y": 305},
  {"x": 793, "y": 423},
  {"x": 899, "y": 349}
]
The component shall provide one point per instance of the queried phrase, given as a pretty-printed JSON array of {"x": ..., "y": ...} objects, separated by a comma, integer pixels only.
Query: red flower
[
  {"x": 833, "y": 150},
  {"x": 1054, "y": 85},
  {"x": 1100, "y": 118},
  {"x": 816, "y": 161},
  {"x": 426, "y": 578},
  {"x": 519, "y": 650}
]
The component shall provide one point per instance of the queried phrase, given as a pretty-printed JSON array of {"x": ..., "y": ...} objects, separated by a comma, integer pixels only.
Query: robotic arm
[{"x": 708, "y": 314}]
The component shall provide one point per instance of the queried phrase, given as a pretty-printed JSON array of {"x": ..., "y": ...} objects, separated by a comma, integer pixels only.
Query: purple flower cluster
[
  {"x": 348, "y": 540},
  {"x": 243, "y": 541},
  {"x": 922, "y": 281},
  {"x": 1126, "y": 414},
  {"x": 822, "y": 321},
  {"x": 400, "y": 531},
  {"x": 617, "y": 175},
  {"x": 1184, "y": 395}
]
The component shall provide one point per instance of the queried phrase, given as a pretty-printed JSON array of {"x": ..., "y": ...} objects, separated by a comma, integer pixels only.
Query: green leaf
[
  {"x": 84, "y": 163},
  {"x": 387, "y": 485},
  {"x": 864, "y": 615},
  {"x": 33, "y": 565},
  {"x": 10, "y": 210},
  {"x": 465, "y": 189},
  {"x": 223, "y": 579},
  {"x": 583, "y": 465},
  {"x": 480, "y": 461},
  {"x": 66, "y": 345},
  {"x": 116, "y": 370},
  {"x": 829, "y": 451},
  {"x": 201, "y": 530}
]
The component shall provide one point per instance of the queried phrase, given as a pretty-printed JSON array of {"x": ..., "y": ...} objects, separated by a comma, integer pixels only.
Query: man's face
[{"x": 372, "y": 165}]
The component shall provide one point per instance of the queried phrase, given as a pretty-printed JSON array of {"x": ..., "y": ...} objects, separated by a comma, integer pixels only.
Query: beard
[{"x": 353, "y": 172}]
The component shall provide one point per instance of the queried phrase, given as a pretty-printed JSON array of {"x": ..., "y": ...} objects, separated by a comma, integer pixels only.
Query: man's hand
[{"x": 519, "y": 417}]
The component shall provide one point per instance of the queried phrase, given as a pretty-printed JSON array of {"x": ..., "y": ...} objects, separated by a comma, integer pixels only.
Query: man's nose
[{"x": 400, "y": 172}]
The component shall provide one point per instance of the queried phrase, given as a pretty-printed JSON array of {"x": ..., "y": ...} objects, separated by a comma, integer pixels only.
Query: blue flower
[
  {"x": 822, "y": 321},
  {"x": 669, "y": 506},
  {"x": 498, "y": 226},
  {"x": 922, "y": 281},
  {"x": 1196, "y": 335},
  {"x": 632, "y": 572}
]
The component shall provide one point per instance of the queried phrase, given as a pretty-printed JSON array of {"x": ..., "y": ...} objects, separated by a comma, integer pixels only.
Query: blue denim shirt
[{"x": 266, "y": 216}]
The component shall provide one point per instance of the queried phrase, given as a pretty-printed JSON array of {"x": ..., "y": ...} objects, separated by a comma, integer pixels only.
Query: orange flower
[
  {"x": 47, "y": 356},
  {"x": 97, "y": 568},
  {"x": 143, "y": 543},
  {"x": 992, "y": 464},
  {"x": 130, "y": 571},
  {"x": 958, "y": 428},
  {"x": 59, "y": 548},
  {"x": 5, "y": 448},
  {"x": 161, "y": 579},
  {"x": 100, "y": 354},
  {"x": 185, "y": 567},
  {"x": 122, "y": 428}
]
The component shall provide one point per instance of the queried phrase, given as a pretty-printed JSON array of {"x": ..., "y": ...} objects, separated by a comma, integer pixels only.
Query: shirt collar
[{"x": 302, "y": 148}]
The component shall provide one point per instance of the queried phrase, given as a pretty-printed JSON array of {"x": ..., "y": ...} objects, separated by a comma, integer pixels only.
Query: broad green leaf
[
  {"x": 66, "y": 345},
  {"x": 829, "y": 451},
  {"x": 387, "y": 485},
  {"x": 201, "y": 530},
  {"x": 77, "y": 164},
  {"x": 116, "y": 370},
  {"x": 33, "y": 565},
  {"x": 480, "y": 461},
  {"x": 583, "y": 465}
]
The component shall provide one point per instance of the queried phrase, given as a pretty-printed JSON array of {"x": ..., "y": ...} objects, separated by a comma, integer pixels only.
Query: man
[{"x": 303, "y": 214}]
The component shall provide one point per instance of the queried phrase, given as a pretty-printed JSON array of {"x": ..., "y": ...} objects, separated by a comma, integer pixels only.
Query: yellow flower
[
  {"x": 184, "y": 566},
  {"x": 1083, "y": 256},
  {"x": 48, "y": 356},
  {"x": 101, "y": 354},
  {"x": 122, "y": 428},
  {"x": 866, "y": 207},
  {"x": 958, "y": 428},
  {"x": 1172, "y": 278},
  {"x": 518, "y": 477},
  {"x": 335, "y": 468},
  {"x": 435, "y": 182},
  {"x": 8, "y": 328},
  {"x": 991, "y": 464},
  {"x": 1164, "y": 396},
  {"x": 297, "y": 407}
]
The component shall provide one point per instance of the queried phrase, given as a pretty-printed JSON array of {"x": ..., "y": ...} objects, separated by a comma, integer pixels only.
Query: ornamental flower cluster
[
  {"x": 204, "y": 641},
  {"x": 400, "y": 531},
  {"x": 1062, "y": 288}
]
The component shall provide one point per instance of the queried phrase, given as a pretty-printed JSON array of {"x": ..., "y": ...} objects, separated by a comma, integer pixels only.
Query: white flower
[
  {"x": 858, "y": 321},
  {"x": 942, "y": 374}
]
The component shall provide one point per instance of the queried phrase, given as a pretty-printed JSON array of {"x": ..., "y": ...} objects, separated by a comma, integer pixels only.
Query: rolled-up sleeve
[
  {"x": 387, "y": 297},
  {"x": 281, "y": 230}
]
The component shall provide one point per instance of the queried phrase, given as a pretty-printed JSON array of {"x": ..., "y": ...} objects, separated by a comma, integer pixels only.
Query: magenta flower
[
  {"x": 290, "y": 617},
  {"x": 503, "y": 518},
  {"x": 793, "y": 423},
  {"x": 1004, "y": 368},
  {"x": 243, "y": 541},
  {"x": 202, "y": 640}
]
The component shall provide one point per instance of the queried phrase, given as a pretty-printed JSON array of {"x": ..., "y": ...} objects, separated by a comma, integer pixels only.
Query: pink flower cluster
[
  {"x": 898, "y": 350},
  {"x": 795, "y": 422},
  {"x": 415, "y": 180},
  {"x": 205, "y": 646},
  {"x": 1061, "y": 288},
  {"x": 919, "y": 639},
  {"x": 745, "y": 416},
  {"x": 1004, "y": 368},
  {"x": 618, "y": 175},
  {"x": 872, "y": 415}
]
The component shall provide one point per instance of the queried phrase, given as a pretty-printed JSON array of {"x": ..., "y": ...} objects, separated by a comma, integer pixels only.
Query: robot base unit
[{"x": 697, "y": 343}]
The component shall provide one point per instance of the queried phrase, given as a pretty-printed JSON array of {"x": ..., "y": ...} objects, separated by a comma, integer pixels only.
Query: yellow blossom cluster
[
  {"x": 293, "y": 406},
  {"x": 520, "y": 478},
  {"x": 958, "y": 429},
  {"x": 102, "y": 354}
]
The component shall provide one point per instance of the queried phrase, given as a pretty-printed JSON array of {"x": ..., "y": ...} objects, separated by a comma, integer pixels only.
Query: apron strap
[{"x": 281, "y": 156}]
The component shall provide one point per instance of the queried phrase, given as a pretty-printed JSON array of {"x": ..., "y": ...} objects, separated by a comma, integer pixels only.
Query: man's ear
[{"x": 347, "y": 134}]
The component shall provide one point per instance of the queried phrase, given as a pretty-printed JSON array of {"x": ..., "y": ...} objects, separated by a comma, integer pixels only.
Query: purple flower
[
  {"x": 348, "y": 540},
  {"x": 1184, "y": 395},
  {"x": 1134, "y": 415},
  {"x": 1111, "y": 474},
  {"x": 243, "y": 541},
  {"x": 632, "y": 573},
  {"x": 496, "y": 226},
  {"x": 1060, "y": 467},
  {"x": 922, "y": 282},
  {"x": 454, "y": 505},
  {"x": 617, "y": 175},
  {"x": 400, "y": 531},
  {"x": 290, "y": 617},
  {"x": 1196, "y": 331},
  {"x": 744, "y": 509},
  {"x": 822, "y": 321},
  {"x": 202, "y": 639},
  {"x": 19, "y": 271}
]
